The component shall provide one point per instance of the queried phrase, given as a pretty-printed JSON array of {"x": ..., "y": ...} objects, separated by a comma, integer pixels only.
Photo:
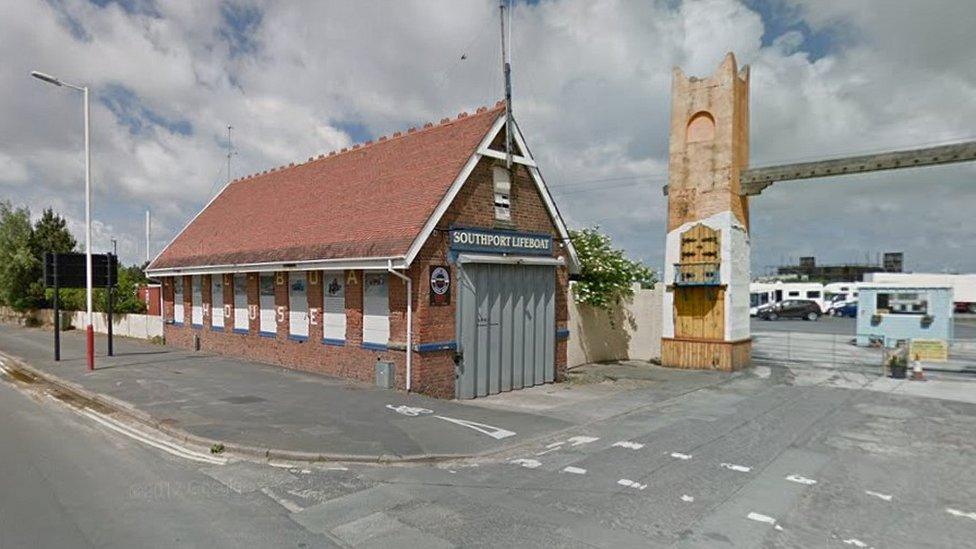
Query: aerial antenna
[
  {"x": 230, "y": 151},
  {"x": 507, "y": 71}
]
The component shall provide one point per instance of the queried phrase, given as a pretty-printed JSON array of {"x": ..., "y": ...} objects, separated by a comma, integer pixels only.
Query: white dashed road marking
[
  {"x": 758, "y": 517},
  {"x": 574, "y": 470},
  {"x": 576, "y": 441},
  {"x": 878, "y": 495},
  {"x": 527, "y": 463},
  {"x": 958, "y": 513},
  {"x": 687, "y": 499},
  {"x": 678, "y": 455},
  {"x": 631, "y": 484},
  {"x": 801, "y": 480},
  {"x": 855, "y": 542},
  {"x": 737, "y": 468},
  {"x": 628, "y": 444}
]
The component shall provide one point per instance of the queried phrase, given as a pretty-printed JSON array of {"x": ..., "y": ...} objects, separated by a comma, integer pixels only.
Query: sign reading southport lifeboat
[{"x": 508, "y": 242}]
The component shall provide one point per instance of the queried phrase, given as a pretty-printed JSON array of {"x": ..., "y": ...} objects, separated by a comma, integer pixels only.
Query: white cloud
[{"x": 591, "y": 82}]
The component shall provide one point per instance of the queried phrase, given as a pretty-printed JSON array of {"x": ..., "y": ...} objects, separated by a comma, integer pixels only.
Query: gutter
[{"x": 389, "y": 269}]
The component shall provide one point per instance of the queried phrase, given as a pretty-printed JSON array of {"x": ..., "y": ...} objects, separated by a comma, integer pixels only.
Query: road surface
[{"x": 773, "y": 457}]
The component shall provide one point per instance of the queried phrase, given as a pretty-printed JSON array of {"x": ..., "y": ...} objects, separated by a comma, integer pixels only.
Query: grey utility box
[{"x": 384, "y": 374}]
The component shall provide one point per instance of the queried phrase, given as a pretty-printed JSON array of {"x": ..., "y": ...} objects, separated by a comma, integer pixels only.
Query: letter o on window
[{"x": 701, "y": 128}]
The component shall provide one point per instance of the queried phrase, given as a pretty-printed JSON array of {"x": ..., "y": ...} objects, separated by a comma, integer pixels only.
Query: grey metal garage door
[{"x": 506, "y": 327}]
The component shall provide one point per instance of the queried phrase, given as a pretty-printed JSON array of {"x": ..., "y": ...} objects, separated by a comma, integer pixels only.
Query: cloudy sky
[{"x": 591, "y": 84}]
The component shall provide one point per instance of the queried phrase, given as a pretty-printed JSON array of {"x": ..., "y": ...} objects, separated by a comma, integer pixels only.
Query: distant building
[{"x": 807, "y": 269}]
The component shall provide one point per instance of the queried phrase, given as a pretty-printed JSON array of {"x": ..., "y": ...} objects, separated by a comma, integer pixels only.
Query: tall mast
[{"x": 507, "y": 71}]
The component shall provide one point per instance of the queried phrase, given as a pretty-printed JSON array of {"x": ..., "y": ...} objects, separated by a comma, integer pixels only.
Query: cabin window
[
  {"x": 813, "y": 294},
  {"x": 217, "y": 302},
  {"x": 241, "y": 316},
  {"x": 334, "y": 308},
  {"x": 376, "y": 309},
  {"x": 794, "y": 293},
  {"x": 178, "y": 314},
  {"x": 901, "y": 303},
  {"x": 502, "y": 181},
  {"x": 269, "y": 325}
]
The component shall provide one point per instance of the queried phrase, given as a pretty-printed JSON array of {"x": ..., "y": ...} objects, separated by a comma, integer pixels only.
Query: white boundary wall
[
  {"x": 633, "y": 331},
  {"x": 126, "y": 325}
]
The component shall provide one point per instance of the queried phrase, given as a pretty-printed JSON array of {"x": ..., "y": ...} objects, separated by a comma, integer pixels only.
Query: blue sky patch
[
  {"x": 140, "y": 119},
  {"x": 780, "y": 18},
  {"x": 238, "y": 26}
]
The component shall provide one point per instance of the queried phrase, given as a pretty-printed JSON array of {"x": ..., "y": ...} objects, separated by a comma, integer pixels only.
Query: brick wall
[{"x": 432, "y": 372}]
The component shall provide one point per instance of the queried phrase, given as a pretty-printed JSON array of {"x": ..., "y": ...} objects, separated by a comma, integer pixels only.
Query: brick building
[{"x": 318, "y": 266}]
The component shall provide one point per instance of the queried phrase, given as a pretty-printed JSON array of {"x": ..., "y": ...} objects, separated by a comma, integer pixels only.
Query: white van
[{"x": 839, "y": 294}]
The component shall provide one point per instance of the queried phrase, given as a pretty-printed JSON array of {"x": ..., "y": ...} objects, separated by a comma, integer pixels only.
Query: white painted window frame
[{"x": 376, "y": 311}]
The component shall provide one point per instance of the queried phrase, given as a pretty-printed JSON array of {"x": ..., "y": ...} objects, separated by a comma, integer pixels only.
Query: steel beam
[{"x": 754, "y": 180}]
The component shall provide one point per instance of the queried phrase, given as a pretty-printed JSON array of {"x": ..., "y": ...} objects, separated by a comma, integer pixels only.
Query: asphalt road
[
  {"x": 67, "y": 482},
  {"x": 772, "y": 457},
  {"x": 965, "y": 328}
]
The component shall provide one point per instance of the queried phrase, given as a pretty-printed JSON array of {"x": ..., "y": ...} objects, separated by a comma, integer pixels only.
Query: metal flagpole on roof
[{"x": 507, "y": 71}]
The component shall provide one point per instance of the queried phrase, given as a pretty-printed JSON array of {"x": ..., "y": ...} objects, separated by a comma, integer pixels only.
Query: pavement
[
  {"x": 780, "y": 455},
  {"x": 964, "y": 326},
  {"x": 796, "y": 455},
  {"x": 267, "y": 412}
]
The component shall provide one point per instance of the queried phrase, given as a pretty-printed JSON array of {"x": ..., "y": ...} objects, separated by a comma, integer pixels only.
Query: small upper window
[
  {"x": 813, "y": 294},
  {"x": 907, "y": 303},
  {"x": 502, "y": 185}
]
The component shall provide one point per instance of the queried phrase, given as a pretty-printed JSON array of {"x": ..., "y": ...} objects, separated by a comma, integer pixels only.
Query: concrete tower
[{"x": 706, "y": 305}]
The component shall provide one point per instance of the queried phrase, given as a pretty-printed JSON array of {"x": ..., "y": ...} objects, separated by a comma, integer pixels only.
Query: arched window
[{"x": 701, "y": 128}]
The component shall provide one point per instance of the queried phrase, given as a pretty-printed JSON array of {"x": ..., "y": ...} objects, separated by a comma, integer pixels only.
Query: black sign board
[
  {"x": 500, "y": 242},
  {"x": 440, "y": 285},
  {"x": 70, "y": 269}
]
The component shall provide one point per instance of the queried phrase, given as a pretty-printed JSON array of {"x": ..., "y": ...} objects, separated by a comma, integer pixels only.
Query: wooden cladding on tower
[{"x": 700, "y": 257}]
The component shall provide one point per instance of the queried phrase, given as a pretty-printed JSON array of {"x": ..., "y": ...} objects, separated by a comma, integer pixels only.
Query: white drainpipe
[{"x": 389, "y": 268}]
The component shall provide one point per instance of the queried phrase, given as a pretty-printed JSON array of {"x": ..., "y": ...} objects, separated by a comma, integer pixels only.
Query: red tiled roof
[{"x": 369, "y": 201}]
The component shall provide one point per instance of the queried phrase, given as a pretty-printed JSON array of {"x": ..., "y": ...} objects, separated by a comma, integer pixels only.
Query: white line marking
[
  {"x": 280, "y": 465},
  {"x": 878, "y": 495},
  {"x": 494, "y": 432},
  {"x": 549, "y": 451},
  {"x": 574, "y": 470},
  {"x": 737, "y": 468},
  {"x": 409, "y": 411},
  {"x": 959, "y": 513},
  {"x": 678, "y": 455},
  {"x": 855, "y": 542},
  {"x": 527, "y": 463},
  {"x": 687, "y": 499},
  {"x": 576, "y": 441},
  {"x": 287, "y": 504},
  {"x": 168, "y": 447},
  {"x": 758, "y": 517},
  {"x": 337, "y": 468},
  {"x": 801, "y": 480},
  {"x": 628, "y": 444},
  {"x": 556, "y": 444},
  {"x": 631, "y": 484}
]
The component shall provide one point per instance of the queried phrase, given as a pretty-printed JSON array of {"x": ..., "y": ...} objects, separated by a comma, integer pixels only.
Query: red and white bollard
[{"x": 917, "y": 373}]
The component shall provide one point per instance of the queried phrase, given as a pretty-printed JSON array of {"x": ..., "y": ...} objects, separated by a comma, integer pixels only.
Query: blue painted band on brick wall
[
  {"x": 241, "y": 331},
  {"x": 333, "y": 342},
  {"x": 267, "y": 334},
  {"x": 562, "y": 333},
  {"x": 297, "y": 337},
  {"x": 374, "y": 346}
]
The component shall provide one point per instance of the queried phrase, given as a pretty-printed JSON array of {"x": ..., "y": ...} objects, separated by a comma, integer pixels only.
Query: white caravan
[{"x": 764, "y": 294}]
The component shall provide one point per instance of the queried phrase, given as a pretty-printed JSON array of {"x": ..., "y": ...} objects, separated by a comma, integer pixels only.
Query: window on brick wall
[
  {"x": 334, "y": 308},
  {"x": 217, "y": 301},
  {"x": 297, "y": 306},
  {"x": 269, "y": 325},
  {"x": 178, "y": 300},
  {"x": 502, "y": 184},
  {"x": 196, "y": 302},
  {"x": 240, "y": 304},
  {"x": 376, "y": 309}
]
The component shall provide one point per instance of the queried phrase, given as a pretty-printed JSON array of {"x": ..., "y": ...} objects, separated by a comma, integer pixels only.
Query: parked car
[
  {"x": 792, "y": 308},
  {"x": 848, "y": 310}
]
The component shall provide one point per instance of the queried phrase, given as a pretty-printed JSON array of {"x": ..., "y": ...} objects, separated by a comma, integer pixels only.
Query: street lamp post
[{"x": 88, "y": 255}]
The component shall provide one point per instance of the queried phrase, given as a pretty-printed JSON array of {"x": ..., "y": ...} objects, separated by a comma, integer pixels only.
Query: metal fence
[{"x": 839, "y": 352}]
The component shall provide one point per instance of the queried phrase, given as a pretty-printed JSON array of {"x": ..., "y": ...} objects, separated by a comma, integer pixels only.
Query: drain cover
[{"x": 247, "y": 399}]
